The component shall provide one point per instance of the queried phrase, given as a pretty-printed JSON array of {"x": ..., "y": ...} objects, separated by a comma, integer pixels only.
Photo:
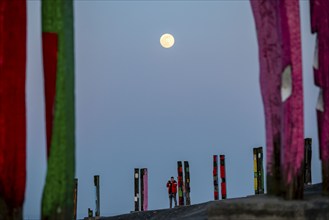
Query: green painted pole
[{"x": 58, "y": 63}]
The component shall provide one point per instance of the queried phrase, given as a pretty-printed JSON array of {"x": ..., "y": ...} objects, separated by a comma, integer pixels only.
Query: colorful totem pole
[
  {"x": 75, "y": 199},
  {"x": 307, "y": 161},
  {"x": 180, "y": 183},
  {"x": 320, "y": 27},
  {"x": 258, "y": 170},
  {"x": 12, "y": 108},
  {"x": 58, "y": 63},
  {"x": 223, "y": 176},
  {"x": 136, "y": 193},
  {"x": 187, "y": 182},
  {"x": 97, "y": 196},
  {"x": 279, "y": 41},
  {"x": 215, "y": 175}
]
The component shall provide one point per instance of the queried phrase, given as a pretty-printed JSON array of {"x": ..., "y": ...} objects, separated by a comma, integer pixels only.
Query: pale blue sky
[{"x": 140, "y": 105}]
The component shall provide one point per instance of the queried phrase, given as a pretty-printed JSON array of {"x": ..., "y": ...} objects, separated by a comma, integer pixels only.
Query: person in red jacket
[{"x": 172, "y": 190}]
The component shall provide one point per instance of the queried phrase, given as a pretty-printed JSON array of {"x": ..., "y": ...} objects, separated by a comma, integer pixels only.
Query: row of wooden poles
[
  {"x": 97, "y": 200},
  {"x": 184, "y": 189},
  {"x": 141, "y": 186},
  {"x": 258, "y": 170}
]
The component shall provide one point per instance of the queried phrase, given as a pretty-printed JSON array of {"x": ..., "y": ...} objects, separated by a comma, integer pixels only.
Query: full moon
[{"x": 167, "y": 40}]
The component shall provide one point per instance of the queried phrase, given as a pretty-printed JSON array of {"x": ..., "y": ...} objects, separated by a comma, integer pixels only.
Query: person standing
[{"x": 172, "y": 191}]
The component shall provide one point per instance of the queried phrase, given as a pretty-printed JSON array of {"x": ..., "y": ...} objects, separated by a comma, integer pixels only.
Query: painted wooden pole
[
  {"x": 308, "y": 161},
  {"x": 215, "y": 176},
  {"x": 97, "y": 191},
  {"x": 143, "y": 189},
  {"x": 255, "y": 171},
  {"x": 12, "y": 108},
  {"x": 90, "y": 213},
  {"x": 180, "y": 183},
  {"x": 223, "y": 176},
  {"x": 75, "y": 199},
  {"x": 260, "y": 170},
  {"x": 141, "y": 177},
  {"x": 279, "y": 43},
  {"x": 58, "y": 64},
  {"x": 187, "y": 182},
  {"x": 145, "y": 193},
  {"x": 320, "y": 27},
  {"x": 136, "y": 193}
]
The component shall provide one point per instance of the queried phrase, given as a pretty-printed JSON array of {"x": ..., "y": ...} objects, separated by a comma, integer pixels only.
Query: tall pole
[
  {"x": 319, "y": 26},
  {"x": 75, "y": 199},
  {"x": 136, "y": 183},
  {"x": 307, "y": 161},
  {"x": 13, "y": 51},
  {"x": 223, "y": 176},
  {"x": 96, "y": 183},
  {"x": 187, "y": 182},
  {"x": 215, "y": 175},
  {"x": 59, "y": 86},
  {"x": 144, "y": 189},
  {"x": 180, "y": 183},
  {"x": 260, "y": 171},
  {"x": 255, "y": 171}
]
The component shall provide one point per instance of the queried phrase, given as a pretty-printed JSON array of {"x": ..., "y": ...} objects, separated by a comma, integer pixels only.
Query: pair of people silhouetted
[{"x": 172, "y": 191}]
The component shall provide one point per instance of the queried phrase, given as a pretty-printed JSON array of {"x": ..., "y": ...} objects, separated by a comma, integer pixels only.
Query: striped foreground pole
[
  {"x": 258, "y": 170},
  {"x": 12, "y": 108},
  {"x": 180, "y": 183},
  {"x": 187, "y": 182},
  {"x": 223, "y": 176},
  {"x": 215, "y": 175},
  {"x": 307, "y": 161},
  {"x": 58, "y": 64},
  {"x": 136, "y": 184},
  {"x": 96, "y": 183}
]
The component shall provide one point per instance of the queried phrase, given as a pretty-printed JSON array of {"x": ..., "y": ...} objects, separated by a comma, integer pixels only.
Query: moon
[{"x": 167, "y": 40}]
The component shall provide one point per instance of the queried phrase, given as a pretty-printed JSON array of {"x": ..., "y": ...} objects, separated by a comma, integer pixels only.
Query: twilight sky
[{"x": 140, "y": 105}]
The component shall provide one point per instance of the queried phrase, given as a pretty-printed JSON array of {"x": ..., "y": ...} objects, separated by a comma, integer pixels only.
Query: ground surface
[{"x": 313, "y": 207}]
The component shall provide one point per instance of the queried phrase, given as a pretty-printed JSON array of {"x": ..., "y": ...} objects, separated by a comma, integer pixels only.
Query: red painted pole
[
  {"x": 223, "y": 176},
  {"x": 215, "y": 176},
  {"x": 12, "y": 108},
  {"x": 180, "y": 183}
]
